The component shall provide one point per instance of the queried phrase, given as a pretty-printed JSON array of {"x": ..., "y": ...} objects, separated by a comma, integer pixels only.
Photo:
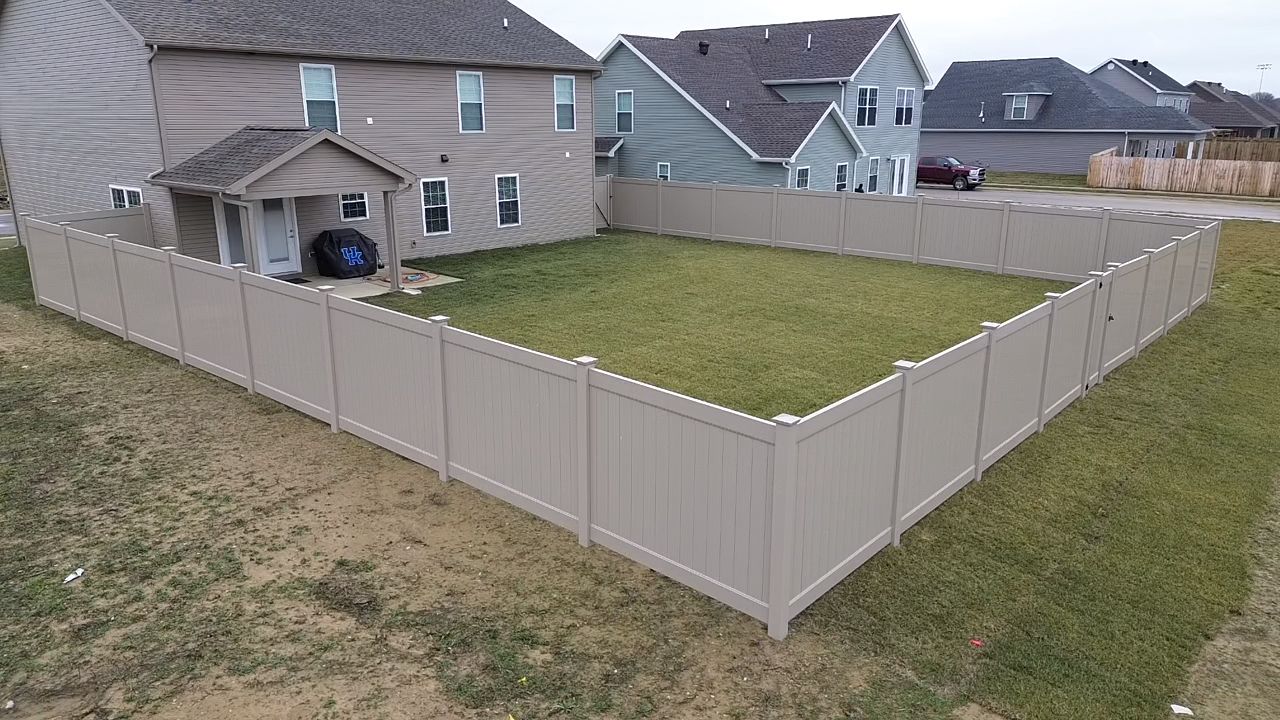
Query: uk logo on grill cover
[{"x": 353, "y": 255}]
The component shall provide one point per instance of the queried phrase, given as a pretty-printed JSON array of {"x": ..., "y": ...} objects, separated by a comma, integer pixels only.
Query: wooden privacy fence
[
  {"x": 1256, "y": 149},
  {"x": 764, "y": 516},
  {"x": 1009, "y": 238},
  {"x": 1222, "y": 177}
]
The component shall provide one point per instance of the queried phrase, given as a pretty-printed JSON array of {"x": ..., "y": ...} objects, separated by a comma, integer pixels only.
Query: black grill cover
[{"x": 345, "y": 253}]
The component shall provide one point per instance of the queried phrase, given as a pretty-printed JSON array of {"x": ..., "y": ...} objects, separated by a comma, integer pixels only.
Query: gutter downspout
[
  {"x": 843, "y": 86},
  {"x": 155, "y": 104},
  {"x": 393, "y": 242}
]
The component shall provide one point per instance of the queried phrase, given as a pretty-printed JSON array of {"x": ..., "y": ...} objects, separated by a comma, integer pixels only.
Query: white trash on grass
[{"x": 79, "y": 573}]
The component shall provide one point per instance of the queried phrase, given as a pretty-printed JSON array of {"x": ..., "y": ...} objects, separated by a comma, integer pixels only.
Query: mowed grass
[
  {"x": 760, "y": 330},
  {"x": 1002, "y": 177}
]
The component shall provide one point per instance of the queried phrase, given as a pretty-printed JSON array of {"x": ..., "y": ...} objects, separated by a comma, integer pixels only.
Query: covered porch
[{"x": 261, "y": 196}]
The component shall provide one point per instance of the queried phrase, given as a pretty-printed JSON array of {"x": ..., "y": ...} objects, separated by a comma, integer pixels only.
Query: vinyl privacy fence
[{"x": 764, "y": 516}]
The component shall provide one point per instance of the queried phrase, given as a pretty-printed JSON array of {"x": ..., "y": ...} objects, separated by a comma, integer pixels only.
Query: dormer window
[{"x": 1019, "y": 111}]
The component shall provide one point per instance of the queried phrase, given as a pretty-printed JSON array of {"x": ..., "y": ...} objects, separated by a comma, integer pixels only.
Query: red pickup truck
[{"x": 950, "y": 171}]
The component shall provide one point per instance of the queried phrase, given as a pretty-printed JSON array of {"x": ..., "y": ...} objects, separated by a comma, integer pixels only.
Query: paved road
[
  {"x": 1143, "y": 203},
  {"x": 6, "y": 224}
]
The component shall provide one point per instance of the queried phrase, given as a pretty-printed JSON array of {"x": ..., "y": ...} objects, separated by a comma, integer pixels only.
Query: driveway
[
  {"x": 1195, "y": 207},
  {"x": 6, "y": 224}
]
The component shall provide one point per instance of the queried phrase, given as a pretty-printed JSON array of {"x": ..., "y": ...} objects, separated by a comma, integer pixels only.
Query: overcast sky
[{"x": 1237, "y": 34}]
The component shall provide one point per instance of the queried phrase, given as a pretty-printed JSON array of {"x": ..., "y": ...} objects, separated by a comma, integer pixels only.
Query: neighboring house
[
  {"x": 1044, "y": 115},
  {"x": 474, "y": 117},
  {"x": 1145, "y": 82},
  {"x": 1232, "y": 113},
  {"x": 827, "y": 105}
]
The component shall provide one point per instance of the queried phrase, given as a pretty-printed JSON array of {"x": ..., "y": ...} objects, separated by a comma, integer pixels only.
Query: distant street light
[{"x": 1262, "y": 71}]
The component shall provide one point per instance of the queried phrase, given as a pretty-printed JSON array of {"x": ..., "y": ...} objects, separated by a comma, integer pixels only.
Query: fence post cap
[
  {"x": 585, "y": 360},
  {"x": 903, "y": 365},
  {"x": 988, "y": 326},
  {"x": 1150, "y": 250},
  {"x": 1053, "y": 295},
  {"x": 168, "y": 249},
  {"x": 785, "y": 420},
  {"x": 1114, "y": 265},
  {"x": 238, "y": 266},
  {"x": 1097, "y": 273},
  {"x": 439, "y": 319},
  {"x": 325, "y": 288},
  {"x": 64, "y": 223},
  {"x": 24, "y": 214}
]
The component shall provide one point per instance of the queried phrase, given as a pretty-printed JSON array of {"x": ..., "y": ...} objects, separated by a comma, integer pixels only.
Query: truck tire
[{"x": 960, "y": 182}]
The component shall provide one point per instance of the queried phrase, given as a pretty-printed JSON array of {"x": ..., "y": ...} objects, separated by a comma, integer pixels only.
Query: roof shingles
[{"x": 238, "y": 155}]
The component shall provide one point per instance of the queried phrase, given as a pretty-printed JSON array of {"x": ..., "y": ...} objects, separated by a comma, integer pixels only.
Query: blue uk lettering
[{"x": 353, "y": 255}]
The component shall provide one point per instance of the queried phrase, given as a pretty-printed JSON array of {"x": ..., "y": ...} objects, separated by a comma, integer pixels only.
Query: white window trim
[
  {"x": 1013, "y": 109},
  {"x": 448, "y": 206},
  {"x": 333, "y": 79},
  {"x": 808, "y": 178},
  {"x": 126, "y": 190},
  {"x": 835, "y": 184},
  {"x": 457, "y": 90},
  {"x": 659, "y": 174},
  {"x": 874, "y": 159},
  {"x": 857, "y": 100},
  {"x": 555, "y": 103},
  {"x": 364, "y": 197},
  {"x": 617, "y": 93},
  {"x": 497, "y": 200},
  {"x": 912, "y": 92}
]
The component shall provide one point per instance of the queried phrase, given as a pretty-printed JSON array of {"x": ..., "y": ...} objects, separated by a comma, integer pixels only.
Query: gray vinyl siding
[
  {"x": 827, "y": 147},
  {"x": 606, "y": 166},
  {"x": 669, "y": 129},
  {"x": 1125, "y": 82},
  {"x": 206, "y": 96},
  {"x": 317, "y": 213},
  {"x": 819, "y": 92},
  {"x": 76, "y": 110},
  {"x": 1056, "y": 152},
  {"x": 322, "y": 166},
  {"x": 889, "y": 68},
  {"x": 194, "y": 215}
]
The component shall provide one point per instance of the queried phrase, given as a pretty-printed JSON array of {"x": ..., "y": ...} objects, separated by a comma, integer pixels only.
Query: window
[
  {"x": 624, "y": 112},
  {"x": 508, "y": 200},
  {"x": 842, "y": 177},
  {"x": 802, "y": 178},
  {"x": 470, "y": 101},
  {"x": 1019, "y": 111},
  {"x": 435, "y": 206},
  {"x": 873, "y": 175},
  {"x": 566, "y": 102},
  {"x": 320, "y": 97},
  {"x": 905, "y": 109},
  {"x": 664, "y": 171},
  {"x": 125, "y": 197},
  {"x": 868, "y": 103},
  {"x": 354, "y": 206}
]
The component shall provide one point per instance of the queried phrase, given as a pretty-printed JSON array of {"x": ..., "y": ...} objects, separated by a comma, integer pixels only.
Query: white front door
[
  {"x": 278, "y": 251},
  {"x": 901, "y": 172}
]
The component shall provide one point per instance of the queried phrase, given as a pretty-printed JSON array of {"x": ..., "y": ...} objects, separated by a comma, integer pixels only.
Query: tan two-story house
[{"x": 251, "y": 126}]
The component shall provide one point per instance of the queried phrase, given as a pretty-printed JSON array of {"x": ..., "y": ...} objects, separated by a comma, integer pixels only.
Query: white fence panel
[
  {"x": 744, "y": 214},
  {"x": 1012, "y": 411},
  {"x": 387, "y": 380},
  {"x": 287, "y": 344},
  {"x": 809, "y": 219},
  {"x": 95, "y": 277},
  {"x": 1069, "y": 348},
  {"x": 881, "y": 227},
  {"x": 1124, "y": 307},
  {"x": 1101, "y": 316},
  {"x": 1156, "y": 298},
  {"x": 510, "y": 418},
  {"x": 51, "y": 267},
  {"x": 1206, "y": 262},
  {"x": 941, "y": 442},
  {"x": 212, "y": 320},
  {"x": 1130, "y": 233},
  {"x": 683, "y": 487},
  {"x": 846, "y": 459},
  {"x": 961, "y": 233},
  {"x": 1052, "y": 243},
  {"x": 1183, "y": 275},
  {"x": 148, "y": 297}
]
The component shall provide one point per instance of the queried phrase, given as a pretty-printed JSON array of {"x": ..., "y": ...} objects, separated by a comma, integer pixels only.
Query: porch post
[
  {"x": 393, "y": 247},
  {"x": 251, "y": 253}
]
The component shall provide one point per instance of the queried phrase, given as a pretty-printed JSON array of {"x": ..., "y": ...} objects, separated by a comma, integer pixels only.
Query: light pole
[{"x": 1262, "y": 71}]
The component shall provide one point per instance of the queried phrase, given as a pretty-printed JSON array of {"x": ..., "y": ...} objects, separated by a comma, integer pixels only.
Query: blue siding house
[{"x": 824, "y": 105}]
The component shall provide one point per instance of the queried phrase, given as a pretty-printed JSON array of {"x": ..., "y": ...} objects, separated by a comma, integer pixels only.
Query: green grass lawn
[
  {"x": 756, "y": 329},
  {"x": 1001, "y": 177}
]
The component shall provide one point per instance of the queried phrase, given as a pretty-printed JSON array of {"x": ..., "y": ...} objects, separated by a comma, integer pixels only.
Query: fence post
[
  {"x": 1213, "y": 259},
  {"x": 1173, "y": 279},
  {"x": 168, "y": 251},
  {"x": 1048, "y": 353},
  {"x": 988, "y": 330},
  {"x": 331, "y": 361},
  {"x": 1142, "y": 304},
  {"x": 241, "y": 269},
  {"x": 782, "y": 525},
  {"x": 715, "y": 187},
  {"x": 582, "y": 391},
  {"x": 773, "y": 220},
  {"x": 1195, "y": 268},
  {"x": 1004, "y": 238},
  {"x": 112, "y": 239},
  {"x": 1106, "y": 325},
  {"x": 1097, "y": 279},
  {"x": 71, "y": 268},
  {"x": 904, "y": 368},
  {"x": 24, "y": 237},
  {"x": 1104, "y": 236},
  {"x": 915, "y": 242},
  {"x": 658, "y": 186},
  {"x": 441, "y": 323},
  {"x": 844, "y": 213}
]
